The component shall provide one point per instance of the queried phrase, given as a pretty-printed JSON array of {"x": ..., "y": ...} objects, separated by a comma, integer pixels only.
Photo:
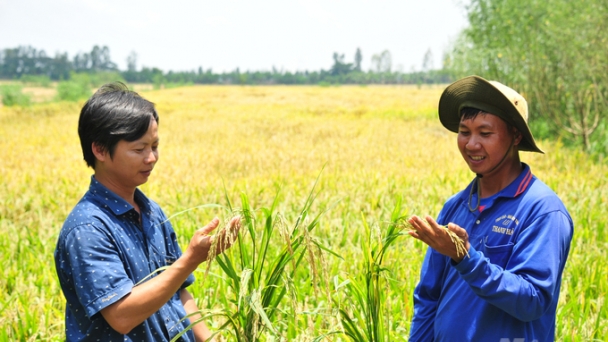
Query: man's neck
[
  {"x": 494, "y": 182},
  {"x": 126, "y": 193}
]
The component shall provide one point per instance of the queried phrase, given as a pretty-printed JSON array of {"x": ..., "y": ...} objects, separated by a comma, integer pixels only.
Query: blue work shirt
[
  {"x": 102, "y": 252},
  {"x": 507, "y": 289}
]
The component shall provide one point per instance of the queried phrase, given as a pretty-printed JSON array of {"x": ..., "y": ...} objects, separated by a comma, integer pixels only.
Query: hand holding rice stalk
[
  {"x": 225, "y": 237},
  {"x": 450, "y": 240},
  {"x": 204, "y": 247},
  {"x": 222, "y": 240}
]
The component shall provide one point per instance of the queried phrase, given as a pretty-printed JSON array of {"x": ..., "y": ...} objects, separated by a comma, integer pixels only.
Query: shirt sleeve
[
  {"x": 95, "y": 268},
  {"x": 426, "y": 296},
  {"x": 428, "y": 291},
  {"x": 525, "y": 286}
]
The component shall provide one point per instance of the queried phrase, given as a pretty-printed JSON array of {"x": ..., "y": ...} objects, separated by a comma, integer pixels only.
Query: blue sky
[{"x": 223, "y": 35}]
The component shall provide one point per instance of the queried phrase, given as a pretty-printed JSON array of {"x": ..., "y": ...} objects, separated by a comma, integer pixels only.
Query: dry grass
[{"x": 40, "y": 94}]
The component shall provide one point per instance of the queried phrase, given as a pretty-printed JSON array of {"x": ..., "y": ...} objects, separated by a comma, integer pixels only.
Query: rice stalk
[
  {"x": 226, "y": 236},
  {"x": 267, "y": 272},
  {"x": 365, "y": 319}
]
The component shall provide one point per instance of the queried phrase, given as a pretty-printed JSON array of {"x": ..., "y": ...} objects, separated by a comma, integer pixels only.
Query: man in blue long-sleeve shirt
[{"x": 515, "y": 229}]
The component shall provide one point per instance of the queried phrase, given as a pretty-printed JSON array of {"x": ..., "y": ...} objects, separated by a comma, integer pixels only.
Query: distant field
[{"x": 375, "y": 148}]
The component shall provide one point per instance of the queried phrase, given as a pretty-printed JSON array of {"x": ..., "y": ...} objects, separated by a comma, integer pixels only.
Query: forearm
[
  {"x": 524, "y": 281},
  {"x": 523, "y": 297},
  {"x": 147, "y": 298},
  {"x": 200, "y": 330}
]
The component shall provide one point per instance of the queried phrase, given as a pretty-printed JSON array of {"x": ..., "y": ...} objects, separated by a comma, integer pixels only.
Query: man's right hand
[{"x": 203, "y": 246}]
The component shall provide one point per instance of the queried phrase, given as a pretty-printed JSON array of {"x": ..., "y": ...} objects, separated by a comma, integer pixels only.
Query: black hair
[
  {"x": 470, "y": 113},
  {"x": 112, "y": 114}
]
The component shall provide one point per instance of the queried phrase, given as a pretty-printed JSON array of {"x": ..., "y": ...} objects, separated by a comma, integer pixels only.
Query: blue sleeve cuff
[
  {"x": 469, "y": 262},
  {"x": 189, "y": 281}
]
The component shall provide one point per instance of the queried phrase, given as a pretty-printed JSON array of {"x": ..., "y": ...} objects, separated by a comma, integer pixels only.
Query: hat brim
[{"x": 476, "y": 92}]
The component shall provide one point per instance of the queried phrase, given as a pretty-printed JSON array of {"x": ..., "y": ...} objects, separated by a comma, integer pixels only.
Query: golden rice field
[{"x": 379, "y": 152}]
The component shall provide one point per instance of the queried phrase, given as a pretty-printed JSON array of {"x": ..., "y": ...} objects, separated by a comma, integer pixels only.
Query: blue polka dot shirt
[{"x": 103, "y": 251}]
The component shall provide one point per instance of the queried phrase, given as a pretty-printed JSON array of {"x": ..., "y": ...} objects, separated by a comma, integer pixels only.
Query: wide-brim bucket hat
[{"x": 491, "y": 97}]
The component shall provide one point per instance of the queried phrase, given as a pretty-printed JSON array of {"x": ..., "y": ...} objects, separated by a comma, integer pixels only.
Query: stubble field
[{"x": 378, "y": 153}]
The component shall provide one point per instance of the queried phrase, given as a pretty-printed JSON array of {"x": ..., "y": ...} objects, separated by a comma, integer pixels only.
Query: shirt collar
[
  {"x": 104, "y": 197},
  {"x": 516, "y": 188}
]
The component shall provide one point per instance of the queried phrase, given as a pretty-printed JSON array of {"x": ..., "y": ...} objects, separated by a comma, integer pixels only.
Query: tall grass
[
  {"x": 235, "y": 147},
  {"x": 261, "y": 270},
  {"x": 363, "y": 311}
]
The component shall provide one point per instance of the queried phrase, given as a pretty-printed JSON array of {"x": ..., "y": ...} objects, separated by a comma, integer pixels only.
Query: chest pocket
[
  {"x": 500, "y": 240},
  {"x": 500, "y": 254}
]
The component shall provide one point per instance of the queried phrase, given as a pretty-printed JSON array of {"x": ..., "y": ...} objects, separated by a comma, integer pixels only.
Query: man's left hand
[{"x": 437, "y": 238}]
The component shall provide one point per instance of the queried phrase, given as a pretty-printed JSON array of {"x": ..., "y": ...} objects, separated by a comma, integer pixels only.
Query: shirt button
[{"x": 478, "y": 222}]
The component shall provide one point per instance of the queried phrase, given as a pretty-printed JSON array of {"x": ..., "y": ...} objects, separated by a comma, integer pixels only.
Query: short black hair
[
  {"x": 112, "y": 114},
  {"x": 470, "y": 113}
]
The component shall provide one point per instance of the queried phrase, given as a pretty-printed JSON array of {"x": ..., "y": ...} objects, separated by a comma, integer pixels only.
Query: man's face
[
  {"x": 133, "y": 161},
  {"x": 484, "y": 141}
]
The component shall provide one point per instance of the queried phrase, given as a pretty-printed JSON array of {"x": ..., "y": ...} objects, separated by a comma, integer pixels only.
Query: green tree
[
  {"x": 340, "y": 67},
  {"x": 132, "y": 61},
  {"x": 428, "y": 61},
  {"x": 60, "y": 67},
  {"x": 383, "y": 62},
  {"x": 554, "y": 51},
  {"x": 97, "y": 60},
  {"x": 358, "y": 59}
]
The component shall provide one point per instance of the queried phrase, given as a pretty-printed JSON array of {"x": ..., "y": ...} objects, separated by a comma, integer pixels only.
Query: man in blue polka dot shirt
[{"x": 116, "y": 237}]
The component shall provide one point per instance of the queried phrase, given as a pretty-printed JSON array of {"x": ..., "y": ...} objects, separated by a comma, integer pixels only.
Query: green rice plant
[
  {"x": 363, "y": 314},
  {"x": 261, "y": 269}
]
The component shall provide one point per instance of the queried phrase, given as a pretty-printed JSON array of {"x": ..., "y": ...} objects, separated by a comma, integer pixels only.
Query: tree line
[
  {"x": 23, "y": 61},
  {"x": 26, "y": 62}
]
